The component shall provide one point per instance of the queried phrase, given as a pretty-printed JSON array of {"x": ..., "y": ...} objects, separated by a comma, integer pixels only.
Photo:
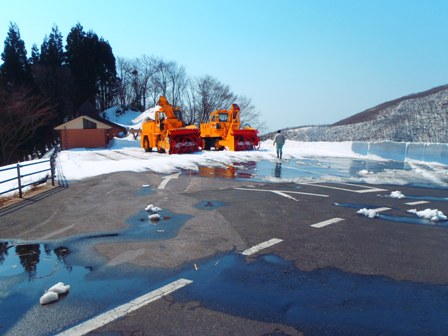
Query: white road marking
[
  {"x": 261, "y": 246},
  {"x": 285, "y": 195},
  {"x": 327, "y": 222},
  {"x": 283, "y": 192},
  {"x": 365, "y": 189},
  {"x": 120, "y": 311},
  {"x": 166, "y": 179},
  {"x": 417, "y": 202},
  {"x": 381, "y": 209}
]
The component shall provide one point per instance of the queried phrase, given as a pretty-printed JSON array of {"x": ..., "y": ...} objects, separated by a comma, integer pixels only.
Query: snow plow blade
[
  {"x": 245, "y": 139},
  {"x": 185, "y": 140}
]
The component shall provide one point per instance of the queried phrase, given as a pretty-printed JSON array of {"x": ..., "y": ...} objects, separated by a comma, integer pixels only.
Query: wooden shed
[{"x": 84, "y": 132}]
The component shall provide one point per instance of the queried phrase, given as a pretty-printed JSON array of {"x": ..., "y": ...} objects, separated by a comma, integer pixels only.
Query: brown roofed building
[{"x": 87, "y": 132}]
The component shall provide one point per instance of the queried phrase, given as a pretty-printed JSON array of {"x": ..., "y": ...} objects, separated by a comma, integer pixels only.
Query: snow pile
[
  {"x": 152, "y": 208},
  {"x": 363, "y": 172},
  {"x": 120, "y": 116},
  {"x": 367, "y": 212},
  {"x": 59, "y": 288},
  {"x": 397, "y": 194},
  {"x": 434, "y": 215},
  {"x": 148, "y": 114},
  {"x": 52, "y": 294}
]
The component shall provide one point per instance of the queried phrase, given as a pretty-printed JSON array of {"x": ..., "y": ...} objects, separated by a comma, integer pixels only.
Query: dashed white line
[
  {"x": 381, "y": 209},
  {"x": 166, "y": 179},
  {"x": 365, "y": 189},
  {"x": 417, "y": 202},
  {"x": 283, "y": 192},
  {"x": 285, "y": 195},
  {"x": 327, "y": 222},
  {"x": 120, "y": 311},
  {"x": 261, "y": 246}
]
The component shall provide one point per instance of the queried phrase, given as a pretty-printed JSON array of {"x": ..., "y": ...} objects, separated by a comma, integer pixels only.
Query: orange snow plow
[
  {"x": 167, "y": 132},
  {"x": 223, "y": 131}
]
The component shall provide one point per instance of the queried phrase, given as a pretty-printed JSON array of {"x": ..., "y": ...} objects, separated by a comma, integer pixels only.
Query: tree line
[{"x": 39, "y": 92}]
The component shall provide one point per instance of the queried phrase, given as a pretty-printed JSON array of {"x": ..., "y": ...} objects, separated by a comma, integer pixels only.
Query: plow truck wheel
[{"x": 146, "y": 144}]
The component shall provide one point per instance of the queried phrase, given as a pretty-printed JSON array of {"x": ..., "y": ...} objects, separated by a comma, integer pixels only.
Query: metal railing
[{"x": 19, "y": 176}]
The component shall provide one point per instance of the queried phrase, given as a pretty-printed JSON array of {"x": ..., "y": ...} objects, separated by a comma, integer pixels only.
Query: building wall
[{"x": 83, "y": 138}]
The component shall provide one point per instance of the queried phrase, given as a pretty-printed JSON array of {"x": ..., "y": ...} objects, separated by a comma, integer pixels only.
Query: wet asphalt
[{"x": 386, "y": 275}]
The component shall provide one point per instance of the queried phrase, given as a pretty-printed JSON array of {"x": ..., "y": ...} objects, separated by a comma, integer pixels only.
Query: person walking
[{"x": 279, "y": 141}]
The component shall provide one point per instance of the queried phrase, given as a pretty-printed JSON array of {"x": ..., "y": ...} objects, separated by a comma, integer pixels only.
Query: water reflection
[
  {"x": 278, "y": 170},
  {"x": 31, "y": 255},
  {"x": 3, "y": 251},
  {"x": 235, "y": 170}
]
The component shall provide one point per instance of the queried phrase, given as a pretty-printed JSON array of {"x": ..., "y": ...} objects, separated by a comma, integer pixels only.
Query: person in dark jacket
[{"x": 279, "y": 141}]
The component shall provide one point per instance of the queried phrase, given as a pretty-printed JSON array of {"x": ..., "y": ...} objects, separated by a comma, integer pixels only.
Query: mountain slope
[{"x": 420, "y": 117}]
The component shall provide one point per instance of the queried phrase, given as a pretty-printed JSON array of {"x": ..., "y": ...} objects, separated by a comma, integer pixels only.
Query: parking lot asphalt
[{"x": 317, "y": 227}]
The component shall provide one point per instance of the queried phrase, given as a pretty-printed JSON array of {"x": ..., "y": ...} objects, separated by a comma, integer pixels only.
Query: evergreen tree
[
  {"x": 15, "y": 68},
  {"x": 92, "y": 64},
  {"x": 35, "y": 55},
  {"x": 52, "y": 51},
  {"x": 52, "y": 76},
  {"x": 107, "y": 75},
  {"x": 80, "y": 60}
]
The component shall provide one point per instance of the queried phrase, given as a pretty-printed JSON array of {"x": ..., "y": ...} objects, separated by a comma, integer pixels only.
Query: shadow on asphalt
[{"x": 25, "y": 201}]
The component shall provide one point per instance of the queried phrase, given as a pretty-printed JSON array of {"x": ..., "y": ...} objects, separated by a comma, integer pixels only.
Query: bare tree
[
  {"x": 208, "y": 94},
  {"x": 146, "y": 66},
  {"x": 249, "y": 115},
  {"x": 169, "y": 80},
  {"x": 124, "y": 72},
  {"x": 22, "y": 114}
]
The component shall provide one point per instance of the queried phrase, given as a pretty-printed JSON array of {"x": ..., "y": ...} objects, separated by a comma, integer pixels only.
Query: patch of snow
[
  {"x": 396, "y": 194},
  {"x": 154, "y": 217},
  {"x": 48, "y": 297},
  {"x": 367, "y": 212},
  {"x": 434, "y": 215},
  {"x": 363, "y": 172},
  {"x": 59, "y": 288},
  {"x": 152, "y": 208}
]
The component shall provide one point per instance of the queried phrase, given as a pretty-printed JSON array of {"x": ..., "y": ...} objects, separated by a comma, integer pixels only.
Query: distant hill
[{"x": 419, "y": 117}]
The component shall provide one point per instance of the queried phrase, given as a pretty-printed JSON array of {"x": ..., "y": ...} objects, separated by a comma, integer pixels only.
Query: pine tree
[
  {"x": 92, "y": 64},
  {"x": 35, "y": 55},
  {"x": 52, "y": 51},
  {"x": 15, "y": 68},
  {"x": 53, "y": 77},
  {"x": 80, "y": 49}
]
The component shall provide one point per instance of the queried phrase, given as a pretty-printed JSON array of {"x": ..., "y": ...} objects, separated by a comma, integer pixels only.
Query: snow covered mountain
[{"x": 421, "y": 117}]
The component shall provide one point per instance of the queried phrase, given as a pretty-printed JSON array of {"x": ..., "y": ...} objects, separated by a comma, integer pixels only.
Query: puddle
[
  {"x": 321, "y": 302},
  {"x": 144, "y": 190},
  {"x": 307, "y": 169},
  {"x": 267, "y": 288},
  {"x": 394, "y": 218},
  {"x": 237, "y": 170},
  {"x": 427, "y": 198},
  {"x": 209, "y": 205},
  {"x": 412, "y": 220},
  {"x": 359, "y": 205}
]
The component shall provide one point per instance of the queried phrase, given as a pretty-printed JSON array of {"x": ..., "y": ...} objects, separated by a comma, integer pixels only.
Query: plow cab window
[{"x": 223, "y": 117}]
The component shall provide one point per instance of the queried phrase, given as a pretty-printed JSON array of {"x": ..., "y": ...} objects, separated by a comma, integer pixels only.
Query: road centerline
[
  {"x": 261, "y": 246},
  {"x": 327, "y": 222},
  {"x": 120, "y": 311}
]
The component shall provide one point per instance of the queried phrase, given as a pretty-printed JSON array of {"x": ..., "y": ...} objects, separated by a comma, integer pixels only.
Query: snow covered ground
[
  {"x": 334, "y": 162},
  {"x": 375, "y": 163}
]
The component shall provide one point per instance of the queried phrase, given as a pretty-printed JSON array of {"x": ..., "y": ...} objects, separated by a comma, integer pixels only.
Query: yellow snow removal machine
[
  {"x": 167, "y": 132},
  {"x": 223, "y": 131}
]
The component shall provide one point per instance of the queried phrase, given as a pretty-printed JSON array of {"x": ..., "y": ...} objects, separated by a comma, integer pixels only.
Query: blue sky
[{"x": 301, "y": 62}]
